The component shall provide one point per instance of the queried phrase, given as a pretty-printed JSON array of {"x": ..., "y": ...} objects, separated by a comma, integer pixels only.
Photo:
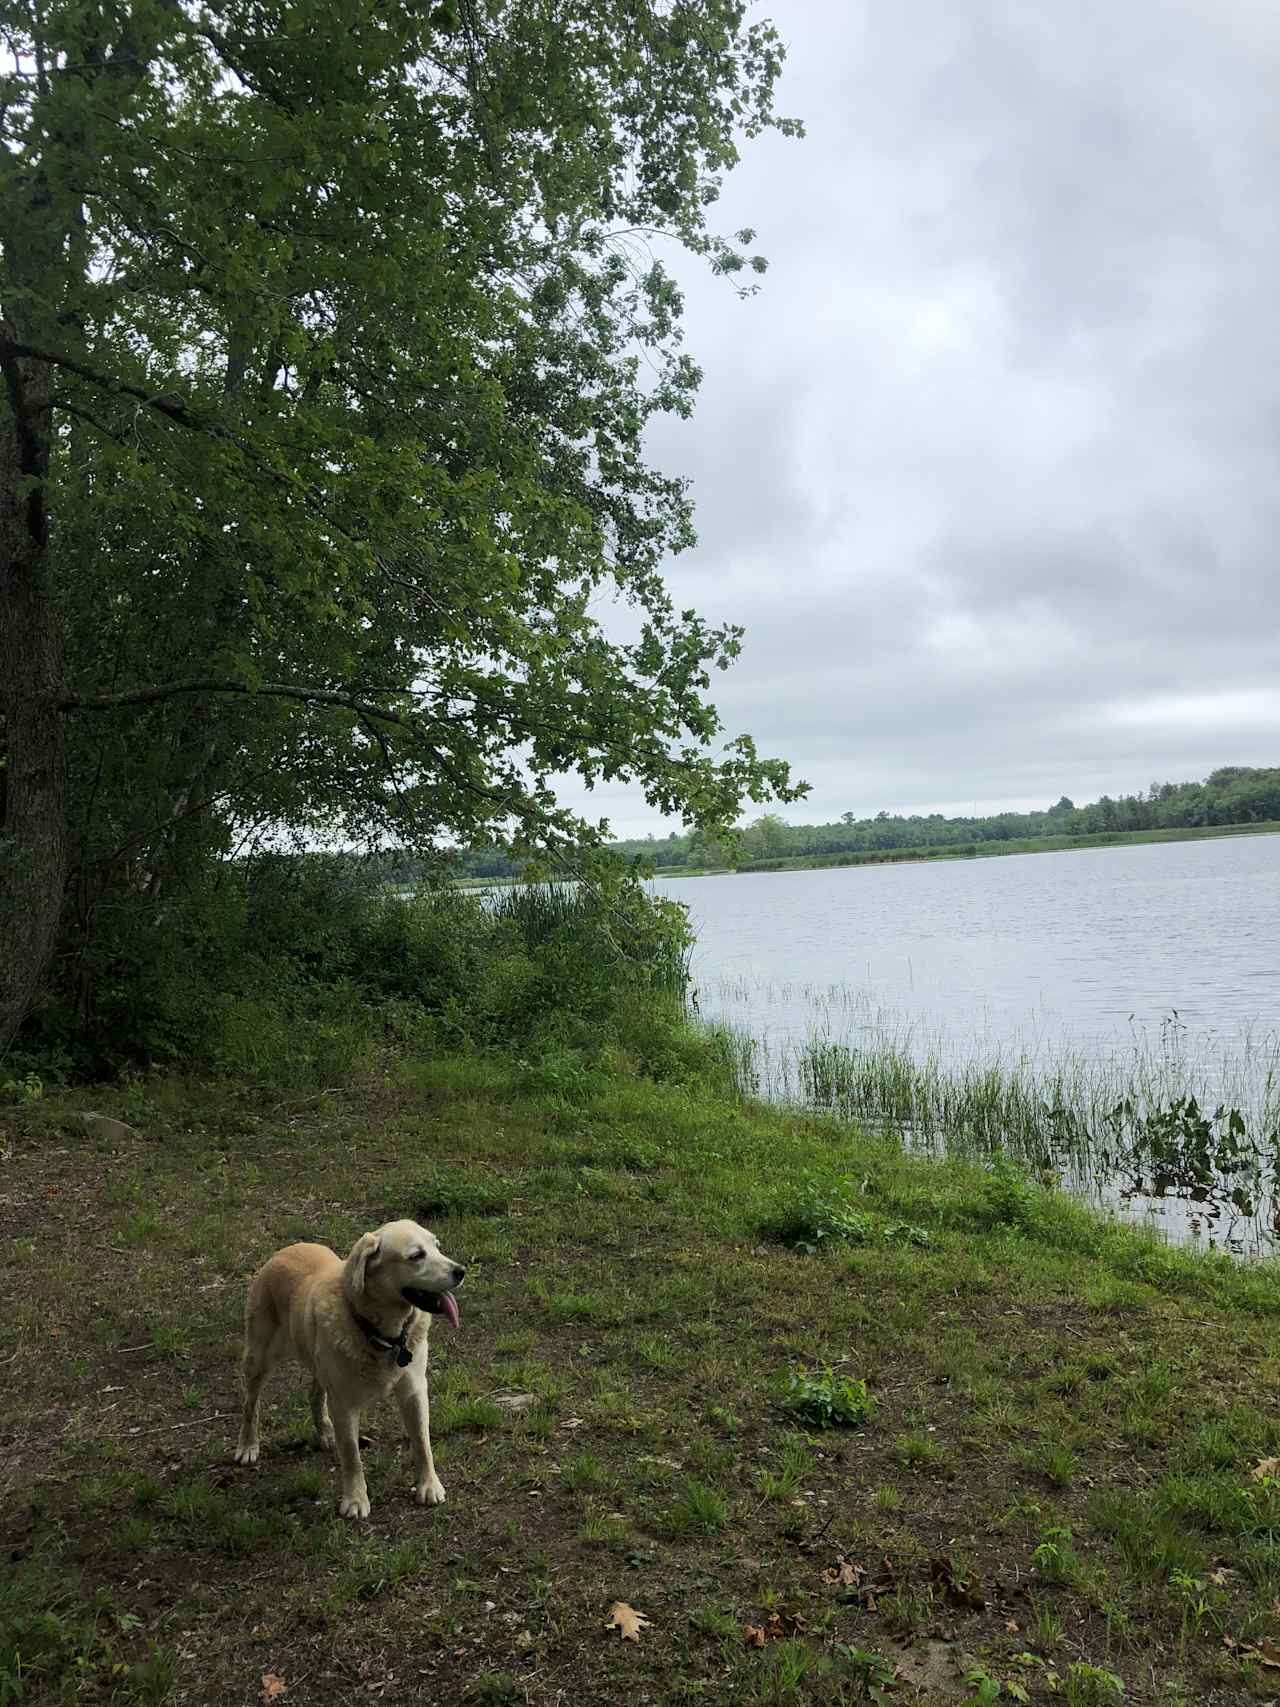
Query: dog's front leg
[
  {"x": 411, "y": 1396},
  {"x": 346, "y": 1434}
]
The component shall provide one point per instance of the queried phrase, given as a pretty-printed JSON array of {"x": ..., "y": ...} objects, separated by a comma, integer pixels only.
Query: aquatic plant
[{"x": 1166, "y": 1116}]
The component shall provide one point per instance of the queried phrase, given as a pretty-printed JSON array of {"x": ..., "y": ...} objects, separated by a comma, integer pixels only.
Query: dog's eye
[{"x": 416, "y": 1256}]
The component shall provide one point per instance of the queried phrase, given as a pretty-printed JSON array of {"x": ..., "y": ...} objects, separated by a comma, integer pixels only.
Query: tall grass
[
  {"x": 646, "y": 938},
  {"x": 1165, "y": 1117}
]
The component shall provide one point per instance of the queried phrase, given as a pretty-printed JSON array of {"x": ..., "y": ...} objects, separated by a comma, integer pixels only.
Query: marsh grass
[
  {"x": 639, "y": 931},
  {"x": 1169, "y": 1117}
]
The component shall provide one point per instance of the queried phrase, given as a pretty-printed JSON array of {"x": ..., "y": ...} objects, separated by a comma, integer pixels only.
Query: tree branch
[
  {"x": 308, "y": 696},
  {"x": 274, "y": 690},
  {"x": 106, "y": 382},
  {"x": 387, "y": 759}
]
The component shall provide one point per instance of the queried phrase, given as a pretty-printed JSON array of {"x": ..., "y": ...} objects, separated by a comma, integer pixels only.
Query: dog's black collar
[{"x": 404, "y": 1357}]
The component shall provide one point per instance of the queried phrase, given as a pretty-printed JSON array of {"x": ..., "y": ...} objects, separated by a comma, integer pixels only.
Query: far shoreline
[
  {"x": 922, "y": 856},
  {"x": 991, "y": 850}
]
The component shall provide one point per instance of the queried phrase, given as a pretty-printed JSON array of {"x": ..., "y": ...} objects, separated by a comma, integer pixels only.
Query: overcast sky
[{"x": 990, "y": 468}]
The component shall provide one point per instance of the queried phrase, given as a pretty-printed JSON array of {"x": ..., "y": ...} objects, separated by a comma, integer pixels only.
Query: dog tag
[{"x": 404, "y": 1357}]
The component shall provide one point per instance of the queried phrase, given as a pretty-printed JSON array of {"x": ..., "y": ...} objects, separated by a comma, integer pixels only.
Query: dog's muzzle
[{"x": 435, "y": 1303}]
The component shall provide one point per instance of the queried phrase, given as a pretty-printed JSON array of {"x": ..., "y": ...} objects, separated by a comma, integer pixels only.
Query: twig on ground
[{"x": 162, "y": 1428}]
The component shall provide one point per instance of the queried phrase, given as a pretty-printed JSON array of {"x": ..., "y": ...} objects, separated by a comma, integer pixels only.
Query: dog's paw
[
  {"x": 247, "y": 1453},
  {"x": 324, "y": 1441},
  {"x": 353, "y": 1505},
  {"x": 430, "y": 1493}
]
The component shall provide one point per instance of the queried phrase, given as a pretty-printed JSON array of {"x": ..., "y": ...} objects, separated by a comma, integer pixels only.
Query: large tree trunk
[{"x": 33, "y": 850}]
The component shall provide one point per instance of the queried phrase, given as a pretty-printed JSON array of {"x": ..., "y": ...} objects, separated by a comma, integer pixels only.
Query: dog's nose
[{"x": 459, "y": 1274}]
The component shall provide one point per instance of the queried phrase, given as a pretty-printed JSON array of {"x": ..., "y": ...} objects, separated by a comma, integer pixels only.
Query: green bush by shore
[{"x": 294, "y": 969}]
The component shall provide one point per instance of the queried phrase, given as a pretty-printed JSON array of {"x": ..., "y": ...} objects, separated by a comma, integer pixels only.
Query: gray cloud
[{"x": 989, "y": 469}]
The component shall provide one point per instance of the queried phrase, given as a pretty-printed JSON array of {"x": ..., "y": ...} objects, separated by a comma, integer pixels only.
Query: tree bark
[{"x": 33, "y": 838}]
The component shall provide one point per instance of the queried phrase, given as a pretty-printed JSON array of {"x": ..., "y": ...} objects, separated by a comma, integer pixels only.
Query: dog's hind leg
[
  {"x": 320, "y": 1415},
  {"x": 255, "y": 1371},
  {"x": 262, "y": 1349}
]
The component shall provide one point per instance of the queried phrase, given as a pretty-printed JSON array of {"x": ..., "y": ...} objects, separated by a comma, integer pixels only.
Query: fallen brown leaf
[
  {"x": 1266, "y": 1467},
  {"x": 1266, "y": 1652},
  {"x": 863, "y": 1593},
  {"x": 776, "y": 1628},
  {"x": 627, "y": 1619},
  {"x": 964, "y": 1589},
  {"x": 273, "y": 1687},
  {"x": 844, "y": 1573}
]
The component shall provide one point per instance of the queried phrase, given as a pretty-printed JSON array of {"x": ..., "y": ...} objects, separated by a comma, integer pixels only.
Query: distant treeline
[{"x": 1235, "y": 794}]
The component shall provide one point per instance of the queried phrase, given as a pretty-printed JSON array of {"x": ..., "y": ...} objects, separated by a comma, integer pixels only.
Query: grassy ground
[{"x": 1053, "y": 1494}]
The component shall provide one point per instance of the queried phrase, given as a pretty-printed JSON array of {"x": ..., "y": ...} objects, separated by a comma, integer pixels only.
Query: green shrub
[
  {"x": 811, "y": 1213},
  {"x": 1008, "y": 1197},
  {"x": 821, "y": 1396},
  {"x": 564, "y": 1074},
  {"x": 294, "y": 968}
]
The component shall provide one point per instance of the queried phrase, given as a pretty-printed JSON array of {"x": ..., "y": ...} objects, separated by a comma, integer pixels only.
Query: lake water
[{"x": 1028, "y": 958}]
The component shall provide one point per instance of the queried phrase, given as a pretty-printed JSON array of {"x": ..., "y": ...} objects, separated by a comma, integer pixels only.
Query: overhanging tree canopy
[{"x": 328, "y": 336}]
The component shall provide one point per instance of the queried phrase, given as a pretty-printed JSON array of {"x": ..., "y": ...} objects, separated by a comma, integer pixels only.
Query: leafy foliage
[
  {"x": 350, "y": 357},
  {"x": 289, "y": 967},
  {"x": 1054, "y": 1554},
  {"x": 813, "y": 1212},
  {"x": 1174, "y": 1147},
  {"x": 821, "y": 1396},
  {"x": 1009, "y": 1199}
]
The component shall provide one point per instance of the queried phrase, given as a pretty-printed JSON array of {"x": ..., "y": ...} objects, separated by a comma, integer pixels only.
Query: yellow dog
[{"x": 360, "y": 1329}]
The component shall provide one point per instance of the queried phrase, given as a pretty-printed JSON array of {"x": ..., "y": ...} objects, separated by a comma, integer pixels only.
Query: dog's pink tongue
[{"x": 450, "y": 1307}]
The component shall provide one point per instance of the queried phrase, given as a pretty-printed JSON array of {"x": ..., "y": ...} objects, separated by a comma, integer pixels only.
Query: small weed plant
[
  {"x": 23, "y": 1091},
  {"x": 1008, "y": 1197},
  {"x": 698, "y": 1507},
  {"x": 985, "y": 1690},
  {"x": 1091, "y": 1686},
  {"x": 905, "y": 1233},
  {"x": 873, "y": 1674},
  {"x": 1054, "y": 1555},
  {"x": 815, "y": 1213},
  {"x": 822, "y": 1397}
]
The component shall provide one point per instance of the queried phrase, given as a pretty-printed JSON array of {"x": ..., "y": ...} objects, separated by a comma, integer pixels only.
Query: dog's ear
[{"x": 364, "y": 1253}]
